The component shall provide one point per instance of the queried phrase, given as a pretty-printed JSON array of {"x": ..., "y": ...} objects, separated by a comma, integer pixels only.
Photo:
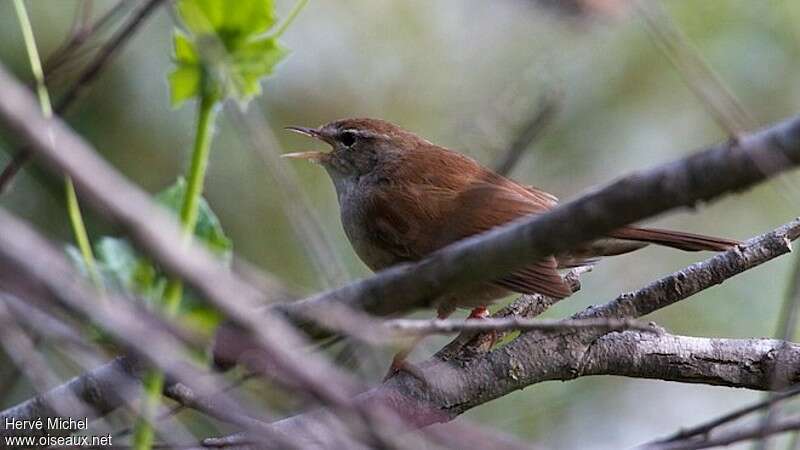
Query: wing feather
[{"x": 457, "y": 200}]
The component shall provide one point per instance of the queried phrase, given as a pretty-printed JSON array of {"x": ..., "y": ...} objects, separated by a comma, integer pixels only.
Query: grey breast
[{"x": 352, "y": 203}]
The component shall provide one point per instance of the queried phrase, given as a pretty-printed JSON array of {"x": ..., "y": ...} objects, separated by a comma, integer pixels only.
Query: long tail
[{"x": 676, "y": 239}]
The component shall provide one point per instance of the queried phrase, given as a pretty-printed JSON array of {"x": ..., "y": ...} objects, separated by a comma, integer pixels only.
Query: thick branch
[
  {"x": 730, "y": 362},
  {"x": 699, "y": 276},
  {"x": 455, "y": 386},
  {"x": 742, "y": 363}
]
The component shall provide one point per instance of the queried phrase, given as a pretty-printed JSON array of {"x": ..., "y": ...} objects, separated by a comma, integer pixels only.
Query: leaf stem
[
  {"x": 289, "y": 19},
  {"x": 154, "y": 381},
  {"x": 73, "y": 207}
]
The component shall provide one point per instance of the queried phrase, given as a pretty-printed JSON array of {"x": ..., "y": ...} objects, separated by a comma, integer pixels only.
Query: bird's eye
[{"x": 347, "y": 138}]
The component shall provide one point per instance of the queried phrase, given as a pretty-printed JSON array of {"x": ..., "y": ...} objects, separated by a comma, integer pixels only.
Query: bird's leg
[
  {"x": 480, "y": 313},
  {"x": 399, "y": 361}
]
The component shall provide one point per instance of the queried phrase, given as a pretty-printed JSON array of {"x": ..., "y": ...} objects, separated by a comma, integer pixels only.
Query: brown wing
[
  {"x": 446, "y": 202},
  {"x": 484, "y": 206}
]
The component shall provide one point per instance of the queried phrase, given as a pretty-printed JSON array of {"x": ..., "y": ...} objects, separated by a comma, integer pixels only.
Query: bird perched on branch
[{"x": 403, "y": 197}]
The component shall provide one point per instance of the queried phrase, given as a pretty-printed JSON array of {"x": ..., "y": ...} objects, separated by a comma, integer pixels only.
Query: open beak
[
  {"x": 305, "y": 131},
  {"x": 316, "y": 157}
]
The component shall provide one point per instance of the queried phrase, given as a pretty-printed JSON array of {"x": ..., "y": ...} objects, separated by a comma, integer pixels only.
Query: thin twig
[
  {"x": 700, "y": 177},
  {"x": 701, "y": 79},
  {"x": 305, "y": 222},
  {"x": 736, "y": 435},
  {"x": 91, "y": 72},
  {"x": 532, "y": 130},
  {"x": 80, "y": 34},
  {"x": 409, "y": 327},
  {"x": 787, "y": 326},
  {"x": 699, "y": 276},
  {"x": 526, "y": 306},
  {"x": 707, "y": 427},
  {"x": 457, "y": 384}
]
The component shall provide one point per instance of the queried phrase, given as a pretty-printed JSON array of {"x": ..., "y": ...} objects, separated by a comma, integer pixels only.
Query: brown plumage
[{"x": 403, "y": 197}]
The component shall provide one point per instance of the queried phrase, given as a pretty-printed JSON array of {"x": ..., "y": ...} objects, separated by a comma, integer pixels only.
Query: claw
[{"x": 400, "y": 364}]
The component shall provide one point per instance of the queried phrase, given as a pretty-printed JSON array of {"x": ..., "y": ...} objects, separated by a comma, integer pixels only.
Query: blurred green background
[{"x": 466, "y": 74}]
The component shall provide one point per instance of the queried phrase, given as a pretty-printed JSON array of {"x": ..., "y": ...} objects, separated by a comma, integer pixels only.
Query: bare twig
[
  {"x": 701, "y": 79},
  {"x": 700, "y": 177},
  {"x": 152, "y": 228},
  {"x": 408, "y": 327},
  {"x": 91, "y": 72},
  {"x": 699, "y": 276},
  {"x": 304, "y": 219},
  {"x": 454, "y": 385},
  {"x": 787, "y": 326},
  {"x": 81, "y": 32},
  {"x": 528, "y": 306},
  {"x": 707, "y": 427},
  {"x": 532, "y": 130},
  {"x": 741, "y": 434}
]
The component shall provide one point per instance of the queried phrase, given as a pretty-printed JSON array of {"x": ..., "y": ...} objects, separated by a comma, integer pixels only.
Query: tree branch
[
  {"x": 549, "y": 104},
  {"x": 411, "y": 327},
  {"x": 530, "y": 358},
  {"x": 457, "y": 383}
]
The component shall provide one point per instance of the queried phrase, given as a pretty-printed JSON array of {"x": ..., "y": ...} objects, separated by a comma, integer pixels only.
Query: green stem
[
  {"x": 154, "y": 381},
  {"x": 143, "y": 435},
  {"x": 289, "y": 19},
  {"x": 73, "y": 208}
]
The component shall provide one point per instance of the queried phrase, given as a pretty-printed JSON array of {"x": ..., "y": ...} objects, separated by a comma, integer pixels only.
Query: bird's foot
[
  {"x": 478, "y": 313},
  {"x": 487, "y": 340},
  {"x": 401, "y": 364}
]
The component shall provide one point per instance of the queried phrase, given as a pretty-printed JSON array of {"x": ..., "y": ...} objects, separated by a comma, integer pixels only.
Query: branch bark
[{"x": 462, "y": 382}]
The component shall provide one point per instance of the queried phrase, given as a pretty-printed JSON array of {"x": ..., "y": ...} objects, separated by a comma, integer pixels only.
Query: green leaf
[
  {"x": 122, "y": 268},
  {"x": 119, "y": 260},
  {"x": 231, "y": 22},
  {"x": 251, "y": 63},
  {"x": 185, "y": 52},
  {"x": 202, "y": 16},
  {"x": 225, "y": 53},
  {"x": 184, "y": 83},
  {"x": 208, "y": 230}
]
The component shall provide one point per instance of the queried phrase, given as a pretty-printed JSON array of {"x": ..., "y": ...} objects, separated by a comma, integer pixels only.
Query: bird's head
[{"x": 359, "y": 146}]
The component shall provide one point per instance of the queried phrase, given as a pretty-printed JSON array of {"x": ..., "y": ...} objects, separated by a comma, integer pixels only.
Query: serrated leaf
[
  {"x": 231, "y": 22},
  {"x": 251, "y": 16},
  {"x": 253, "y": 62},
  {"x": 202, "y": 16},
  {"x": 225, "y": 54},
  {"x": 184, "y": 49}
]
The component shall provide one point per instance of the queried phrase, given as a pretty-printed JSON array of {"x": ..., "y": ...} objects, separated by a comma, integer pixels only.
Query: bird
[{"x": 402, "y": 197}]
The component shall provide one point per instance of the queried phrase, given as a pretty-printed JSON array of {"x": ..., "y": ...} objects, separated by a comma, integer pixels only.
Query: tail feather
[{"x": 676, "y": 239}]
